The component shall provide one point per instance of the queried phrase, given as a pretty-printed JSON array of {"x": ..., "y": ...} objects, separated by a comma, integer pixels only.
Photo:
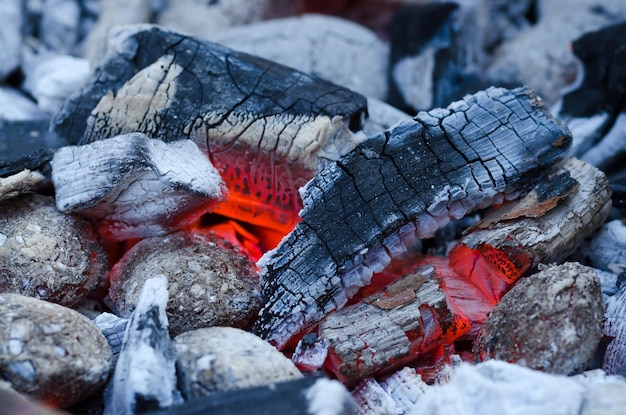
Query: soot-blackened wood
[
  {"x": 397, "y": 186},
  {"x": 384, "y": 331},
  {"x": 267, "y": 128}
]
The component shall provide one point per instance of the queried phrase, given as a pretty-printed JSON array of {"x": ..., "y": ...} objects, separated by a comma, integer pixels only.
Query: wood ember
[
  {"x": 550, "y": 321},
  {"x": 312, "y": 395},
  {"x": 218, "y": 359},
  {"x": 46, "y": 254},
  {"x": 134, "y": 186},
  {"x": 145, "y": 373},
  {"x": 266, "y": 128},
  {"x": 389, "y": 329},
  {"x": 401, "y": 185},
  {"x": 50, "y": 353},
  {"x": 25, "y": 181},
  {"x": 210, "y": 282},
  {"x": 615, "y": 329}
]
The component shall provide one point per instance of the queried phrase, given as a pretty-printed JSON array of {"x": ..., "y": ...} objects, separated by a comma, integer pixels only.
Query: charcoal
[
  {"x": 550, "y": 321},
  {"x": 607, "y": 248},
  {"x": 398, "y": 186},
  {"x": 113, "y": 329},
  {"x": 329, "y": 47},
  {"x": 308, "y": 395},
  {"x": 239, "y": 109},
  {"x": 210, "y": 282},
  {"x": 46, "y": 254},
  {"x": 136, "y": 187},
  {"x": 615, "y": 328},
  {"x": 310, "y": 353},
  {"x": 25, "y": 181},
  {"x": 50, "y": 353},
  {"x": 434, "y": 59},
  {"x": 218, "y": 359},
  {"x": 11, "y": 25},
  {"x": 145, "y": 375},
  {"x": 407, "y": 318},
  {"x": 60, "y": 25}
]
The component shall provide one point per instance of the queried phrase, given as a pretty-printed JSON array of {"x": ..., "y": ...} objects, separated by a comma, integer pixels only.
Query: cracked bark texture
[
  {"x": 402, "y": 184},
  {"x": 267, "y": 128}
]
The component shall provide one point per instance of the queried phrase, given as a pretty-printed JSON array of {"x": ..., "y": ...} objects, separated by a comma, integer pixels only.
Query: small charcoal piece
[
  {"x": 218, "y": 359},
  {"x": 145, "y": 374},
  {"x": 398, "y": 186},
  {"x": 46, "y": 254},
  {"x": 51, "y": 353},
  {"x": 409, "y": 317},
  {"x": 615, "y": 329},
  {"x": 25, "y": 181},
  {"x": 265, "y": 127},
  {"x": 550, "y": 321},
  {"x": 312, "y": 395},
  {"x": 134, "y": 186},
  {"x": 210, "y": 282},
  {"x": 113, "y": 329}
]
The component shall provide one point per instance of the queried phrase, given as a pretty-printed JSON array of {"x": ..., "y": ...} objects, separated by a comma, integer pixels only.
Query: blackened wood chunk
[
  {"x": 550, "y": 321},
  {"x": 47, "y": 254},
  {"x": 51, "y": 353},
  {"x": 401, "y": 185}
]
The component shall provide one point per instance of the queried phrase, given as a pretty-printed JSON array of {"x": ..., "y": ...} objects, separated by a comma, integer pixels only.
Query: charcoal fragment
[
  {"x": 25, "y": 181},
  {"x": 218, "y": 359},
  {"x": 550, "y": 321},
  {"x": 210, "y": 282},
  {"x": 50, "y": 353},
  {"x": 46, "y": 254}
]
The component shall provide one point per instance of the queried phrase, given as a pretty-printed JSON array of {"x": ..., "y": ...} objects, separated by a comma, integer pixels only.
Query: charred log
[{"x": 399, "y": 186}]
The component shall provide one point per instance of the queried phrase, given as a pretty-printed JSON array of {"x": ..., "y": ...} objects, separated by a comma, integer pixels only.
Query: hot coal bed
[{"x": 374, "y": 207}]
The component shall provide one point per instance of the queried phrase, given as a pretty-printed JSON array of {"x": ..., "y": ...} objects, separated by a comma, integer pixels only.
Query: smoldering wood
[
  {"x": 134, "y": 186},
  {"x": 550, "y": 321},
  {"x": 399, "y": 186},
  {"x": 408, "y": 317},
  {"x": 16, "y": 184},
  {"x": 266, "y": 128},
  {"x": 313, "y": 395},
  {"x": 147, "y": 354}
]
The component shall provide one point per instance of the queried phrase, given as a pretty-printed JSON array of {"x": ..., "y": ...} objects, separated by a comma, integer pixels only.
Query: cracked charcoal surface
[
  {"x": 550, "y": 321},
  {"x": 442, "y": 164},
  {"x": 46, "y": 254},
  {"x": 218, "y": 359},
  {"x": 210, "y": 282},
  {"x": 50, "y": 353}
]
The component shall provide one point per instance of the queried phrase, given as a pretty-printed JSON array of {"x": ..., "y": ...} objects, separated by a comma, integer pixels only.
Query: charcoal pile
[{"x": 377, "y": 207}]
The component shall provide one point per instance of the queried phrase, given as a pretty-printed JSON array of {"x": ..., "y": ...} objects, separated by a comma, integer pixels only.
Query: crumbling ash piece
[
  {"x": 551, "y": 321},
  {"x": 134, "y": 186},
  {"x": 217, "y": 359},
  {"x": 50, "y": 353},
  {"x": 210, "y": 282},
  {"x": 46, "y": 254}
]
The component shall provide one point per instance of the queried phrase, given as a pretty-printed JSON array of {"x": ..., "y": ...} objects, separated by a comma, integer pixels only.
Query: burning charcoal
[
  {"x": 50, "y": 353},
  {"x": 265, "y": 127},
  {"x": 11, "y": 23},
  {"x": 329, "y": 47},
  {"x": 615, "y": 329},
  {"x": 607, "y": 248},
  {"x": 409, "y": 317},
  {"x": 396, "y": 394},
  {"x": 550, "y": 321},
  {"x": 134, "y": 186},
  {"x": 396, "y": 187},
  {"x": 23, "y": 182},
  {"x": 210, "y": 282},
  {"x": 218, "y": 359},
  {"x": 46, "y": 254},
  {"x": 113, "y": 329},
  {"x": 310, "y": 354},
  {"x": 309, "y": 395},
  {"x": 15, "y": 404},
  {"x": 145, "y": 373}
]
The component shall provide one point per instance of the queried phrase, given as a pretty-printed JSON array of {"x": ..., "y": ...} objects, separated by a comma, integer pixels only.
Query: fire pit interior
[{"x": 368, "y": 207}]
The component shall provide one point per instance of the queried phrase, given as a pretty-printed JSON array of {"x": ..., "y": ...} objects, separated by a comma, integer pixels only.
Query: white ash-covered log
[{"x": 136, "y": 187}]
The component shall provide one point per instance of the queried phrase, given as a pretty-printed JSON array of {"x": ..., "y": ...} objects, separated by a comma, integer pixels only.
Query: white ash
[
  {"x": 381, "y": 116},
  {"x": 225, "y": 358},
  {"x": 60, "y": 25},
  {"x": 310, "y": 354},
  {"x": 329, "y": 397},
  {"x": 10, "y": 36},
  {"x": 113, "y": 329},
  {"x": 339, "y": 50},
  {"x": 46, "y": 254},
  {"x": 136, "y": 186},
  {"x": 612, "y": 143},
  {"x": 51, "y": 353},
  {"x": 25, "y": 181},
  {"x": 15, "y": 106},
  {"x": 615, "y": 329},
  {"x": 607, "y": 248},
  {"x": 210, "y": 282},
  {"x": 145, "y": 373}
]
